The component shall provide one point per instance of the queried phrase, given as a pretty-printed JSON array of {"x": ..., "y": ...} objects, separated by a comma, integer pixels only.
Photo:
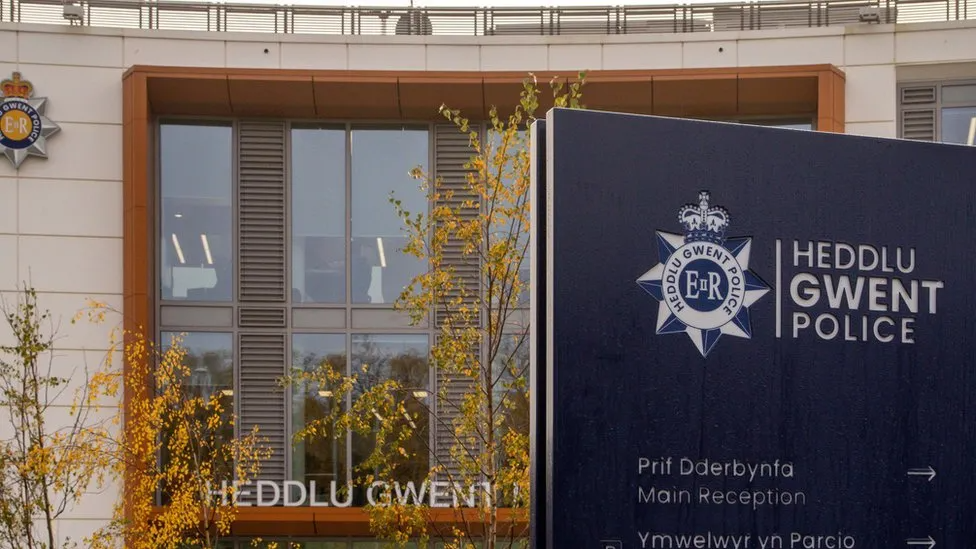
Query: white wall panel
[
  {"x": 75, "y": 264},
  {"x": 791, "y": 51},
  {"x": 71, "y": 208},
  {"x": 873, "y": 129},
  {"x": 79, "y": 529},
  {"x": 8, "y": 47},
  {"x": 78, "y": 151},
  {"x": 575, "y": 57},
  {"x": 77, "y": 94},
  {"x": 8, "y": 266},
  {"x": 170, "y": 52},
  {"x": 696, "y": 55},
  {"x": 314, "y": 56},
  {"x": 83, "y": 335},
  {"x": 869, "y": 49},
  {"x": 254, "y": 55},
  {"x": 935, "y": 46},
  {"x": 453, "y": 58},
  {"x": 70, "y": 47},
  {"x": 665, "y": 55},
  {"x": 870, "y": 93},
  {"x": 76, "y": 366},
  {"x": 95, "y": 505},
  {"x": 409, "y": 57},
  {"x": 526, "y": 57},
  {"x": 8, "y": 206}
]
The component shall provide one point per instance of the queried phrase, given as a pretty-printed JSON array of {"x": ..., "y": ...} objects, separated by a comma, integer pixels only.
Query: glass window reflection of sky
[
  {"x": 318, "y": 180},
  {"x": 321, "y": 459},
  {"x": 959, "y": 125},
  {"x": 381, "y": 164},
  {"x": 196, "y": 188}
]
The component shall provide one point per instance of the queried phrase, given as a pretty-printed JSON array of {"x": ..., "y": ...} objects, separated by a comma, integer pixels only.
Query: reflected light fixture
[
  {"x": 325, "y": 394},
  {"x": 379, "y": 245},
  {"x": 227, "y": 392},
  {"x": 376, "y": 414},
  {"x": 972, "y": 132},
  {"x": 177, "y": 215},
  {"x": 179, "y": 250},
  {"x": 420, "y": 394},
  {"x": 409, "y": 420},
  {"x": 206, "y": 248}
]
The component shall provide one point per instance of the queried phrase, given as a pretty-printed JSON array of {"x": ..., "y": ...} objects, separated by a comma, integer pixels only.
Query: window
[
  {"x": 196, "y": 190},
  {"x": 938, "y": 111},
  {"x": 520, "y": 143},
  {"x": 210, "y": 360},
  {"x": 959, "y": 125},
  {"x": 320, "y": 461},
  {"x": 318, "y": 179},
  {"x": 404, "y": 359},
  {"x": 401, "y": 357},
  {"x": 380, "y": 161},
  {"x": 381, "y": 164},
  {"x": 782, "y": 123},
  {"x": 321, "y": 246}
]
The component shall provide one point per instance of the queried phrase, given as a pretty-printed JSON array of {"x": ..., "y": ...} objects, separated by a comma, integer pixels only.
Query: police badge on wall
[
  {"x": 23, "y": 127},
  {"x": 703, "y": 281}
]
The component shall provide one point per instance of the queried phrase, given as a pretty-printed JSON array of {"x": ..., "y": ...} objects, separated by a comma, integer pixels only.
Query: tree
[
  {"x": 182, "y": 463},
  {"x": 49, "y": 459},
  {"x": 475, "y": 243}
]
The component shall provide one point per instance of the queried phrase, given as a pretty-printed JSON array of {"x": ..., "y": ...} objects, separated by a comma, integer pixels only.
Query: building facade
[{"x": 231, "y": 181}]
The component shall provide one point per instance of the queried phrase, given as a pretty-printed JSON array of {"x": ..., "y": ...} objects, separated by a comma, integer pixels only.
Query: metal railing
[{"x": 268, "y": 18}]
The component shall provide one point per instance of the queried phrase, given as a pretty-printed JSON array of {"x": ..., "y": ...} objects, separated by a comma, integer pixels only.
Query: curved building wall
[{"x": 62, "y": 222}]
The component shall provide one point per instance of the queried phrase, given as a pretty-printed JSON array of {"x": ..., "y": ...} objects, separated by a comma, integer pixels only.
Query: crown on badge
[
  {"x": 703, "y": 223},
  {"x": 15, "y": 87}
]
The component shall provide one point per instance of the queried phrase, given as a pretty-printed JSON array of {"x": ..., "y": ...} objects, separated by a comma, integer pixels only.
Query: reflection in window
[
  {"x": 510, "y": 370},
  {"x": 959, "y": 125},
  {"x": 402, "y": 358},
  {"x": 320, "y": 459},
  {"x": 381, "y": 162},
  {"x": 292, "y": 544},
  {"x": 196, "y": 248},
  {"x": 780, "y": 124},
  {"x": 521, "y": 142},
  {"x": 210, "y": 360},
  {"x": 318, "y": 168}
]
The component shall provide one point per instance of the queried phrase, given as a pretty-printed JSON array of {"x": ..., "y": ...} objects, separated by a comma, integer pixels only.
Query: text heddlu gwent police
[{"x": 868, "y": 292}]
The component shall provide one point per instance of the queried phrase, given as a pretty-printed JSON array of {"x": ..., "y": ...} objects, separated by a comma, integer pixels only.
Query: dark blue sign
[{"x": 755, "y": 338}]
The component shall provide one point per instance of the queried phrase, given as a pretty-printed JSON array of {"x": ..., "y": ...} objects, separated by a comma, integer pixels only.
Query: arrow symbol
[
  {"x": 928, "y": 542},
  {"x": 927, "y": 472}
]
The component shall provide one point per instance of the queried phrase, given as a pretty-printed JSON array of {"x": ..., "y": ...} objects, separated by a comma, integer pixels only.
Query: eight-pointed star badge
[
  {"x": 23, "y": 127},
  {"x": 703, "y": 281}
]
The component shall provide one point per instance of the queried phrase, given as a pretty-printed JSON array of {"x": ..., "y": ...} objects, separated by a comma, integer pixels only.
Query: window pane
[
  {"x": 320, "y": 460},
  {"x": 779, "y": 124},
  {"x": 510, "y": 370},
  {"x": 292, "y": 544},
  {"x": 956, "y": 94},
  {"x": 959, "y": 125},
  {"x": 402, "y": 358},
  {"x": 210, "y": 359},
  {"x": 318, "y": 178},
  {"x": 381, "y": 162},
  {"x": 504, "y": 228},
  {"x": 196, "y": 248}
]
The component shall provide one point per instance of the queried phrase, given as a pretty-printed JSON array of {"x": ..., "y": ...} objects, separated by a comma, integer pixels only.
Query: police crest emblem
[
  {"x": 703, "y": 281},
  {"x": 23, "y": 127}
]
